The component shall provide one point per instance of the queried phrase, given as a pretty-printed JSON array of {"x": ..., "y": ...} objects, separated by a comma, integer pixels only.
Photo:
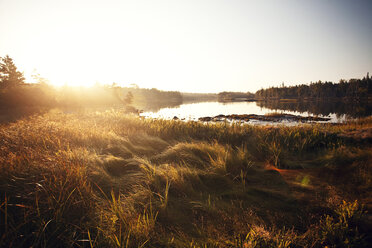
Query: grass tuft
[{"x": 105, "y": 179}]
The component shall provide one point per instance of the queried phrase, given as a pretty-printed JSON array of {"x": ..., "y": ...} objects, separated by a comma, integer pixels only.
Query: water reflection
[
  {"x": 323, "y": 108},
  {"x": 337, "y": 111},
  {"x": 193, "y": 111},
  {"x": 155, "y": 106}
]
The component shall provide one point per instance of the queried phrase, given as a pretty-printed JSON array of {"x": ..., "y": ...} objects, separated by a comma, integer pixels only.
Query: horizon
[{"x": 191, "y": 47}]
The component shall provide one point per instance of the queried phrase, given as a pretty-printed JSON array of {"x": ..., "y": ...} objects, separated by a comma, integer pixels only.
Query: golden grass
[{"x": 105, "y": 179}]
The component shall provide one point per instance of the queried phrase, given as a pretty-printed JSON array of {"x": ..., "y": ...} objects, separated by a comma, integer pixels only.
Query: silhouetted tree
[
  {"x": 129, "y": 98},
  {"x": 9, "y": 74}
]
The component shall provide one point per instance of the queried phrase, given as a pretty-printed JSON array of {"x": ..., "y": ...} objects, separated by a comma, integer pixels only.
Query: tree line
[
  {"x": 227, "y": 96},
  {"x": 15, "y": 92},
  {"x": 354, "y": 89}
]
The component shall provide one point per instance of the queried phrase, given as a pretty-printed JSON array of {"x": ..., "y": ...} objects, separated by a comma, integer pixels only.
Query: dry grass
[{"x": 105, "y": 179}]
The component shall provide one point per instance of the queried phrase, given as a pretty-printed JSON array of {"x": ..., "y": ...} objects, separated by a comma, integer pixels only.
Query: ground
[{"x": 108, "y": 179}]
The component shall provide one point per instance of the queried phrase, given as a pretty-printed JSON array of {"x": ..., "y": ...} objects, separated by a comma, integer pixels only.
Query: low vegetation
[{"x": 106, "y": 179}]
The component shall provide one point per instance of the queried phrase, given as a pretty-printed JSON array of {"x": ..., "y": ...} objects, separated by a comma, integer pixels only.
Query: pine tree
[{"x": 9, "y": 74}]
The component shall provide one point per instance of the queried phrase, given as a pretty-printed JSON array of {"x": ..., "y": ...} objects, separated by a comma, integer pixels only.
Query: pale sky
[{"x": 190, "y": 46}]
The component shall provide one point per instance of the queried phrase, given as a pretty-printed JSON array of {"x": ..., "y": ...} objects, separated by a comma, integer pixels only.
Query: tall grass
[{"x": 105, "y": 179}]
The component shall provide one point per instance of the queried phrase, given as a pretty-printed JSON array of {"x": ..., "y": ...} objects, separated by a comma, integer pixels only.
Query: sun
[{"x": 60, "y": 72}]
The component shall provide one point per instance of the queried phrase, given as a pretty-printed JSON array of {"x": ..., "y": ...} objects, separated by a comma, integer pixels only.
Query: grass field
[{"x": 106, "y": 179}]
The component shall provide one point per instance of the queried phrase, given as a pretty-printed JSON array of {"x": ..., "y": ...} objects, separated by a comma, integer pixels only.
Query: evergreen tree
[{"x": 9, "y": 74}]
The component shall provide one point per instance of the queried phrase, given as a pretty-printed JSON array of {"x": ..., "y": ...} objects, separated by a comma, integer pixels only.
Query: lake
[
  {"x": 193, "y": 111},
  {"x": 336, "y": 111}
]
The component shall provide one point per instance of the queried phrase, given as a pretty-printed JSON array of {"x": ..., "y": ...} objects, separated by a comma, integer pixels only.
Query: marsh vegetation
[{"x": 109, "y": 179}]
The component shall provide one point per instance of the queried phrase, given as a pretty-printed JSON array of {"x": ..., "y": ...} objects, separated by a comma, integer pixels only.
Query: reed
[{"x": 108, "y": 179}]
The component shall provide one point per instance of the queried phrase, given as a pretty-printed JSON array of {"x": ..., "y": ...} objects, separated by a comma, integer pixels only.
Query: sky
[{"x": 190, "y": 45}]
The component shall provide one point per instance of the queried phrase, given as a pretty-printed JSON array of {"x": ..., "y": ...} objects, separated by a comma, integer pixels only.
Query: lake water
[
  {"x": 193, "y": 111},
  {"x": 336, "y": 111}
]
